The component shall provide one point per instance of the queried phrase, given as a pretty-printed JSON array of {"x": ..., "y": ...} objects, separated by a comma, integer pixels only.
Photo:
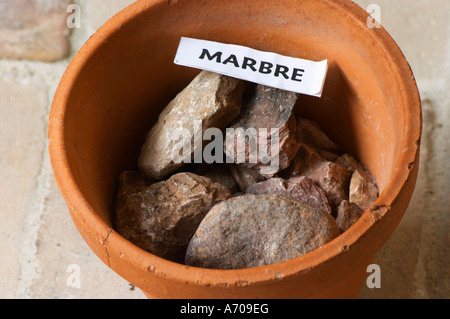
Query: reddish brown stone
[
  {"x": 219, "y": 173},
  {"x": 315, "y": 137},
  {"x": 244, "y": 177},
  {"x": 264, "y": 108},
  {"x": 363, "y": 191},
  {"x": 299, "y": 188},
  {"x": 258, "y": 230},
  {"x": 348, "y": 213},
  {"x": 306, "y": 160},
  {"x": 332, "y": 178},
  {"x": 163, "y": 217},
  {"x": 348, "y": 162}
]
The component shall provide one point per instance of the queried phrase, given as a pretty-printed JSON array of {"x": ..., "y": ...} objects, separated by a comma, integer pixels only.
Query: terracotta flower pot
[{"x": 117, "y": 84}]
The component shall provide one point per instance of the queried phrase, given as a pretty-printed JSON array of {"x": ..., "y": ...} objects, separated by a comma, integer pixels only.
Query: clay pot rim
[{"x": 116, "y": 244}]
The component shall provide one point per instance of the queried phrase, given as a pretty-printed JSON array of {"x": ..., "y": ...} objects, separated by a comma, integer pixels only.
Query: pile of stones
[{"x": 240, "y": 214}]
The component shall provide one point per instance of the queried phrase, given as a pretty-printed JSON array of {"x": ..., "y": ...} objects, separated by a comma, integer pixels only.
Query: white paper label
[{"x": 266, "y": 68}]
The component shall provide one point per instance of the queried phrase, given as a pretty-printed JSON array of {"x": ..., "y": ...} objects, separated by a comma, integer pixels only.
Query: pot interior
[{"x": 130, "y": 77}]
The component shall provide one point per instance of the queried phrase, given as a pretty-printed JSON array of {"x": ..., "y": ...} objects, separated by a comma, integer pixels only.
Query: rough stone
[
  {"x": 315, "y": 137},
  {"x": 299, "y": 188},
  {"x": 306, "y": 160},
  {"x": 348, "y": 162},
  {"x": 34, "y": 30},
  {"x": 244, "y": 177},
  {"x": 211, "y": 98},
  {"x": 348, "y": 213},
  {"x": 257, "y": 230},
  {"x": 163, "y": 217},
  {"x": 332, "y": 178},
  {"x": 363, "y": 191},
  {"x": 219, "y": 173},
  {"x": 264, "y": 109}
]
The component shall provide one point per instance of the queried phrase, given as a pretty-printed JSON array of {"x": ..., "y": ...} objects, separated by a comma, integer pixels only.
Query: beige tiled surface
[
  {"x": 34, "y": 30},
  {"x": 18, "y": 171},
  {"x": 38, "y": 240}
]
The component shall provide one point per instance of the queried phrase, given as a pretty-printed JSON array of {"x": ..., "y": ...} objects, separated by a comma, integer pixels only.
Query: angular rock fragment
[
  {"x": 315, "y": 137},
  {"x": 163, "y": 217},
  {"x": 348, "y": 213},
  {"x": 363, "y": 191},
  {"x": 257, "y": 230},
  {"x": 244, "y": 177},
  {"x": 211, "y": 99},
  {"x": 332, "y": 178},
  {"x": 348, "y": 162},
  {"x": 219, "y": 173},
  {"x": 299, "y": 188},
  {"x": 305, "y": 161},
  {"x": 250, "y": 140},
  {"x": 353, "y": 164}
]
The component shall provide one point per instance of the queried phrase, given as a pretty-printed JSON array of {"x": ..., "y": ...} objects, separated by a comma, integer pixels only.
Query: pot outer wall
[{"x": 118, "y": 83}]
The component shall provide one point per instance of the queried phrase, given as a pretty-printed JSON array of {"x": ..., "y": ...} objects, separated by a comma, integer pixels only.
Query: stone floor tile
[{"x": 34, "y": 29}]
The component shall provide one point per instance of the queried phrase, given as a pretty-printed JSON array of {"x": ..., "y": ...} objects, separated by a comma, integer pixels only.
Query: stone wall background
[{"x": 37, "y": 238}]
